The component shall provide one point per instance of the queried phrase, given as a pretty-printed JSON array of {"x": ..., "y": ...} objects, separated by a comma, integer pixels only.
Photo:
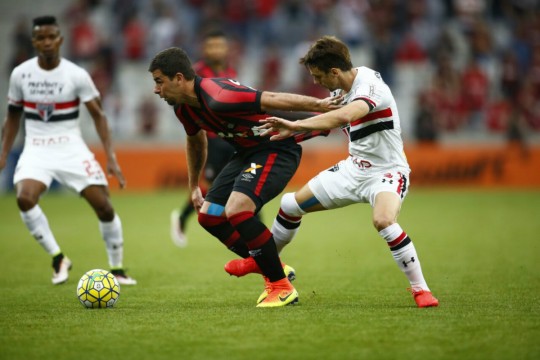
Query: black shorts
[
  {"x": 219, "y": 154},
  {"x": 261, "y": 172}
]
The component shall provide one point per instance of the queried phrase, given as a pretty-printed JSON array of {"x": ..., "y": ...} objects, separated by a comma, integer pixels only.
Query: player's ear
[{"x": 179, "y": 76}]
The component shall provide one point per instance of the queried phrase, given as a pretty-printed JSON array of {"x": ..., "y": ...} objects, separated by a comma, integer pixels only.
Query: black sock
[
  {"x": 260, "y": 243},
  {"x": 222, "y": 229}
]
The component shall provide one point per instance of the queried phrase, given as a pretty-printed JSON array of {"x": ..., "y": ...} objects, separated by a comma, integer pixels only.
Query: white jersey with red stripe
[
  {"x": 50, "y": 98},
  {"x": 54, "y": 147},
  {"x": 375, "y": 139}
]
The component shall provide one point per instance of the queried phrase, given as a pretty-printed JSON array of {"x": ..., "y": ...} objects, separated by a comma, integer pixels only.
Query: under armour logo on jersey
[
  {"x": 253, "y": 168},
  {"x": 408, "y": 262}
]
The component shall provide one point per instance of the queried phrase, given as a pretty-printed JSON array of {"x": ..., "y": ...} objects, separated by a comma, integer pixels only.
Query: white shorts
[
  {"x": 347, "y": 183},
  {"x": 72, "y": 166}
]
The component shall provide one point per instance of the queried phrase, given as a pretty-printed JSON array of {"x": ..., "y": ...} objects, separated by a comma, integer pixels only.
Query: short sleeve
[
  {"x": 15, "y": 93},
  {"x": 86, "y": 88}
]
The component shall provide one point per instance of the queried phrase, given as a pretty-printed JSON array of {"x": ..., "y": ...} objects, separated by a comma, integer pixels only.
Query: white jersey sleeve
[
  {"x": 15, "y": 93},
  {"x": 86, "y": 88}
]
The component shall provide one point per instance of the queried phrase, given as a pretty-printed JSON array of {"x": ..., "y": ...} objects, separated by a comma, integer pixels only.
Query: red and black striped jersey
[
  {"x": 204, "y": 70},
  {"x": 228, "y": 109}
]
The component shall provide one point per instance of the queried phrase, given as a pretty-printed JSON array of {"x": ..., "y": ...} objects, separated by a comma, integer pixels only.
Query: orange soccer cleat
[
  {"x": 424, "y": 298},
  {"x": 280, "y": 293}
]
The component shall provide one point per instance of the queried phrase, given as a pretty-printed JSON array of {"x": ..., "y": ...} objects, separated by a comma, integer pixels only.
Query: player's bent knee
[
  {"x": 290, "y": 206},
  {"x": 381, "y": 223},
  {"x": 209, "y": 221},
  {"x": 26, "y": 202},
  {"x": 104, "y": 212}
]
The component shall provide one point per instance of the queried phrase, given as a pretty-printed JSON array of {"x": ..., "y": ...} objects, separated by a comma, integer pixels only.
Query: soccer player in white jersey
[
  {"x": 48, "y": 89},
  {"x": 375, "y": 172}
]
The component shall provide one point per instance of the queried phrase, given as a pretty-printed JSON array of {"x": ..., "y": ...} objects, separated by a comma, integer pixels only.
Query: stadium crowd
[{"x": 457, "y": 66}]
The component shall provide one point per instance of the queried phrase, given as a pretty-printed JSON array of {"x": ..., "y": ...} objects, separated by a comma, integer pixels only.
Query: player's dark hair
[
  {"x": 326, "y": 53},
  {"x": 44, "y": 20},
  {"x": 172, "y": 61},
  {"x": 214, "y": 33}
]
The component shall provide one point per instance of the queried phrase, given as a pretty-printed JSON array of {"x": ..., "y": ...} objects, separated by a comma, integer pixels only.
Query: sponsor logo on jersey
[
  {"x": 362, "y": 164},
  {"x": 253, "y": 169},
  {"x": 334, "y": 168}
]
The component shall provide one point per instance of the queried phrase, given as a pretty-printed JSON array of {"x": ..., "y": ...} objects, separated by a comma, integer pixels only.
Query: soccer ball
[{"x": 98, "y": 289}]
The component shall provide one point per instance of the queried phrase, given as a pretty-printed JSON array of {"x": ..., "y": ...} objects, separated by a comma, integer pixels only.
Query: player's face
[
  {"x": 328, "y": 80},
  {"x": 215, "y": 50},
  {"x": 47, "y": 41},
  {"x": 166, "y": 88}
]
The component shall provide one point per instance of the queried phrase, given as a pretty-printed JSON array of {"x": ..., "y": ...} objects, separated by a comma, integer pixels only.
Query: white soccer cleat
[
  {"x": 177, "y": 235},
  {"x": 62, "y": 274},
  {"x": 123, "y": 278},
  {"x": 126, "y": 280}
]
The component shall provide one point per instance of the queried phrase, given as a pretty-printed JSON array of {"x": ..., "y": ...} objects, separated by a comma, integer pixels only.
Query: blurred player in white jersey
[
  {"x": 48, "y": 90},
  {"x": 375, "y": 172}
]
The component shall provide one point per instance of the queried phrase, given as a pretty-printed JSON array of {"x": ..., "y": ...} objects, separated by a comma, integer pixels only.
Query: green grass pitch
[{"x": 480, "y": 253}]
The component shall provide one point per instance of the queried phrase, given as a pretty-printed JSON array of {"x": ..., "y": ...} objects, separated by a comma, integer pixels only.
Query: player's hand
[
  {"x": 113, "y": 169},
  {"x": 197, "y": 198},
  {"x": 330, "y": 103},
  {"x": 276, "y": 128}
]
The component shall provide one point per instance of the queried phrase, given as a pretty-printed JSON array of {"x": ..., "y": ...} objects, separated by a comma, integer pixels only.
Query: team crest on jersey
[{"x": 45, "y": 110}]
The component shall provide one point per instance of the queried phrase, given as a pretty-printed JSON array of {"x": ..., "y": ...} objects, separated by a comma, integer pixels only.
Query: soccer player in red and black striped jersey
[
  {"x": 214, "y": 64},
  {"x": 259, "y": 170}
]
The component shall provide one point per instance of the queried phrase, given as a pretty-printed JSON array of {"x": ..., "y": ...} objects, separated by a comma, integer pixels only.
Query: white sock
[
  {"x": 405, "y": 256},
  {"x": 287, "y": 221},
  {"x": 36, "y": 222},
  {"x": 114, "y": 241},
  {"x": 282, "y": 235}
]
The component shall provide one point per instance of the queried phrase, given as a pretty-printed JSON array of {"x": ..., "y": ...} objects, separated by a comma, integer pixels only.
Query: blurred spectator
[
  {"x": 271, "y": 68},
  {"x": 384, "y": 40},
  {"x": 84, "y": 43},
  {"x": 148, "y": 116},
  {"x": 21, "y": 42},
  {"x": 475, "y": 91},
  {"x": 425, "y": 122},
  {"x": 445, "y": 95},
  {"x": 164, "y": 30},
  {"x": 510, "y": 75},
  {"x": 134, "y": 34}
]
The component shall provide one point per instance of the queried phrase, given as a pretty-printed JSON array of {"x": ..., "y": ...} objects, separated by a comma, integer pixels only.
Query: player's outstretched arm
[
  {"x": 102, "y": 128},
  {"x": 9, "y": 133},
  {"x": 294, "y": 102},
  {"x": 326, "y": 121}
]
